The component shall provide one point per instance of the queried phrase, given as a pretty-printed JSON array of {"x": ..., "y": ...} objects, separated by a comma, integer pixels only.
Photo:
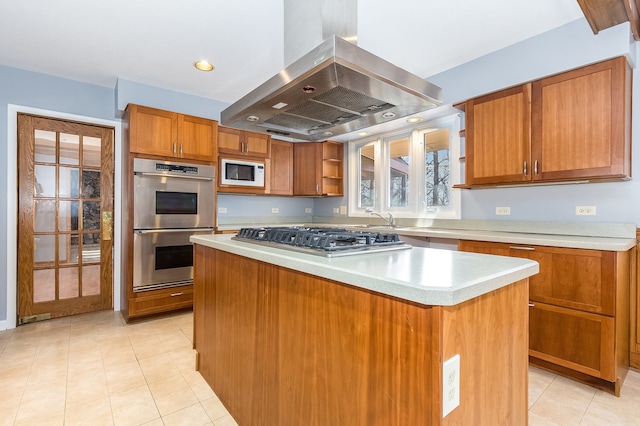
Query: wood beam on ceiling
[{"x": 603, "y": 14}]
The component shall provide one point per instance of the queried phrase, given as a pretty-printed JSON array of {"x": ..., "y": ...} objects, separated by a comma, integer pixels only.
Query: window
[{"x": 410, "y": 173}]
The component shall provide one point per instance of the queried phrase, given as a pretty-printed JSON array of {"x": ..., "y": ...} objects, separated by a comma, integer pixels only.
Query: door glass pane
[
  {"x": 69, "y": 149},
  {"x": 91, "y": 215},
  {"x": 90, "y": 248},
  {"x": 91, "y": 151},
  {"x": 69, "y": 185},
  {"x": 45, "y": 181},
  {"x": 90, "y": 280},
  {"x": 399, "y": 172},
  {"x": 45, "y": 146},
  {"x": 44, "y": 285},
  {"x": 68, "y": 216},
  {"x": 437, "y": 173},
  {"x": 68, "y": 249},
  {"x": 44, "y": 248},
  {"x": 91, "y": 184},
  {"x": 45, "y": 216},
  {"x": 367, "y": 177},
  {"x": 69, "y": 284}
]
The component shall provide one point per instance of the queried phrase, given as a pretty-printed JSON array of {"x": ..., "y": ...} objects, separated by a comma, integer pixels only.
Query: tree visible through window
[{"x": 437, "y": 170}]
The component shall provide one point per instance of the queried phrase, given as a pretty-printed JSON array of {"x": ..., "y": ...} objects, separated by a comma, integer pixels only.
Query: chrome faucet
[{"x": 389, "y": 219}]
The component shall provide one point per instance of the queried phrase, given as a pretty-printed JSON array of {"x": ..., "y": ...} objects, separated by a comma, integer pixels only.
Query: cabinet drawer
[
  {"x": 153, "y": 302},
  {"x": 574, "y": 339}
]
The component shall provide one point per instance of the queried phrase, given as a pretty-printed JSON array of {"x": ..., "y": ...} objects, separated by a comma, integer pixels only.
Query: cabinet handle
[
  {"x": 180, "y": 149},
  {"x": 522, "y": 248},
  {"x": 176, "y": 294},
  {"x": 317, "y": 188},
  {"x": 242, "y": 147},
  {"x": 532, "y": 305},
  {"x": 525, "y": 168},
  {"x": 535, "y": 167},
  {"x": 174, "y": 147}
]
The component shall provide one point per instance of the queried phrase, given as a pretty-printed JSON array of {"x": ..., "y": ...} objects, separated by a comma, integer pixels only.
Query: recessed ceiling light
[
  {"x": 203, "y": 65},
  {"x": 388, "y": 114},
  {"x": 414, "y": 119},
  {"x": 363, "y": 134}
]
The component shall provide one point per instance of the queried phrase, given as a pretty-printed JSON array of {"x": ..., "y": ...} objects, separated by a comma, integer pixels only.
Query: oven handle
[
  {"x": 161, "y": 175},
  {"x": 162, "y": 231}
]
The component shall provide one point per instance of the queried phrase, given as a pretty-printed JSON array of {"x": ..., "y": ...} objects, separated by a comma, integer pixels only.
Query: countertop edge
[{"x": 480, "y": 283}]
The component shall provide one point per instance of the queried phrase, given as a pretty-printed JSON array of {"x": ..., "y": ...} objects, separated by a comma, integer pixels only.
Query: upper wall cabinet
[
  {"x": 169, "y": 134},
  {"x": 318, "y": 169},
  {"x": 239, "y": 142},
  {"x": 567, "y": 127}
]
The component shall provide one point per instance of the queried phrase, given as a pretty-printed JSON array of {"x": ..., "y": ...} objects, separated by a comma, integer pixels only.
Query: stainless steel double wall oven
[{"x": 172, "y": 201}]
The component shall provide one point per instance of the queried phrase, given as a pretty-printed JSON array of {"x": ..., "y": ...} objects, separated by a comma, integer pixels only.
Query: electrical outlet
[
  {"x": 343, "y": 209},
  {"x": 450, "y": 384},
  {"x": 585, "y": 210},
  {"x": 275, "y": 210},
  {"x": 336, "y": 210},
  {"x": 503, "y": 211},
  {"x": 222, "y": 209},
  {"x": 308, "y": 210}
]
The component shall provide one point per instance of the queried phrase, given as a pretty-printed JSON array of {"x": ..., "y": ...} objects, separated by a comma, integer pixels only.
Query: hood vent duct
[{"x": 333, "y": 89}]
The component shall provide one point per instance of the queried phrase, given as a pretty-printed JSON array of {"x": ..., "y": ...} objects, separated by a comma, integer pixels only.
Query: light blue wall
[{"x": 564, "y": 48}]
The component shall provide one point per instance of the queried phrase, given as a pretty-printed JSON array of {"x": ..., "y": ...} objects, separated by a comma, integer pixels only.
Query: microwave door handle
[
  {"x": 166, "y": 231},
  {"x": 160, "y": 175}
]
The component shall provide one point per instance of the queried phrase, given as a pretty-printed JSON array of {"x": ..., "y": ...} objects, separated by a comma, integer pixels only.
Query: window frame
[{"x": 416, "y": 206}]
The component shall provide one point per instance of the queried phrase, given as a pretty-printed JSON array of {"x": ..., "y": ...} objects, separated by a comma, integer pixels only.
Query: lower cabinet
[
  {"x": 158, "y": 301},
  {"x": 578, "y": 310}
]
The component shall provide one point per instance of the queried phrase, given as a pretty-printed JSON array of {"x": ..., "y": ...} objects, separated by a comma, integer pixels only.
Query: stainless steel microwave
[{"x": 241, "y": 172}]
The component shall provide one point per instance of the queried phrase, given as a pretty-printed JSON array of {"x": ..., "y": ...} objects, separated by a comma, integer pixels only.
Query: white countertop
[{"x": 422, "y": 275}]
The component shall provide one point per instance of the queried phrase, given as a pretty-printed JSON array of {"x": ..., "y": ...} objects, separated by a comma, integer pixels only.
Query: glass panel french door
[{"x": 65, "y": 211}]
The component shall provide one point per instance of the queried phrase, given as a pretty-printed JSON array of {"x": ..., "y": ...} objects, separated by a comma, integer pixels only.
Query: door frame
[{"x": 12, "y": 201}]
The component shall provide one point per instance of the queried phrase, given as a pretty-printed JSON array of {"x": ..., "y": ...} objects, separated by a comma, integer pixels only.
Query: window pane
[
  {"x": 69, "y": 185},
  {"x": 69, "y": 284},
  {"x": 45, "y": 181},
  {"x": 437, "y": 172},
  {"x": 367, "y": 178},
  {"x": 91, "y": 151},
  {"x": 44, "y": 285},
  {"x": 68, "y": 249},
  {"x": 90, "y": 215},
  {"x": 399, "y": 172},
  {"x": 44, "y": 248},
  {"x": 68, "y": 216},
  {"x": 90, "y": 248},
  {"x": 45, "y": 216},
  {"x": 91, "y": 184},
  {"x": 45, "y": 146},
  {"x": 90, "y": 280},
  {"x": 69, "y": 149}
]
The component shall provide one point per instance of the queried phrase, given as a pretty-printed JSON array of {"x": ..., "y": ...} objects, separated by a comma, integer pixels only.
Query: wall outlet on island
[{"x": 450, "y": 384}]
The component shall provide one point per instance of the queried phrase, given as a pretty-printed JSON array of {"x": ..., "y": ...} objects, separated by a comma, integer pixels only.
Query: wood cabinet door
[
  {"x": 281, "y": 168},
  {"x": 307, "y": 168},
  {"x": 581, "y": 122},
  {"x": 257, "y": 144},
  {"x": 577, "y": 340},
  {"x": 153, "y": 131},
  {"x": 197, "y": 138},
  {"x": 498, "y": 137},
  {"x": 229, "y": 140}
]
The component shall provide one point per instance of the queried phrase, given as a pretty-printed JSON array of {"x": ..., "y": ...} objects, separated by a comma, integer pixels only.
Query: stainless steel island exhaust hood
[{"x": 335, "y": 88}]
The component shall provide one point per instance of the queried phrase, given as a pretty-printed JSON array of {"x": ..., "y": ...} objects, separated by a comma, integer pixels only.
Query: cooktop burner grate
[{"x": 321, "y": 239}]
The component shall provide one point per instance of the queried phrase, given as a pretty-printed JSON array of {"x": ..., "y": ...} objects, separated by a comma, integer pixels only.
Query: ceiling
[{"x": 156, "y": 42}]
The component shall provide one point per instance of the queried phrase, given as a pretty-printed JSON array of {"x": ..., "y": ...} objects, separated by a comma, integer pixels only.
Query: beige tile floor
[{"x": 94, "y": 369}]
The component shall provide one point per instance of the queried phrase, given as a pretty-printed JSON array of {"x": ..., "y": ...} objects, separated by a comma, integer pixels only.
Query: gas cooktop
[{"x": 328, "y": 242}]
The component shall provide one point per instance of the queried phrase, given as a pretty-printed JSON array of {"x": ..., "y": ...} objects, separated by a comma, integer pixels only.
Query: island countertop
[{"x": 420, "y": 275}]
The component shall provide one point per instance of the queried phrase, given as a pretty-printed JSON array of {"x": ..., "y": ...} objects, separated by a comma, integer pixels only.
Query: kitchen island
[{"x": 286, "y": 338}]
